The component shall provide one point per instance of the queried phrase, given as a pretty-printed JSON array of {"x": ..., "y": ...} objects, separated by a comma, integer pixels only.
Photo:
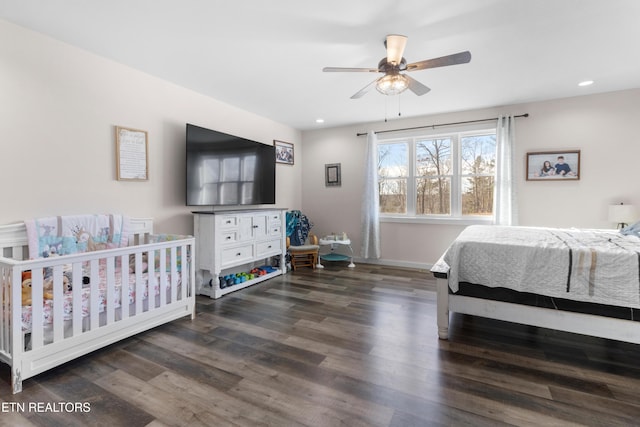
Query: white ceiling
[{"x": 267, "y": 56}]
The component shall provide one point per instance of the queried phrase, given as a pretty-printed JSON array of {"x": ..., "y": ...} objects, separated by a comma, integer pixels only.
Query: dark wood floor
[{"x": 339, "y": 346}]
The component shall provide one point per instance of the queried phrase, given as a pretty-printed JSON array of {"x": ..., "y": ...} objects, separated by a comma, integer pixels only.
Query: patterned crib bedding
[{"x": 130, "y": 297}]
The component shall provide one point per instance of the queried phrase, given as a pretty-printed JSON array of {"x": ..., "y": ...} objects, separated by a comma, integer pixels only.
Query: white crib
[{"x": 107, "y": 309}]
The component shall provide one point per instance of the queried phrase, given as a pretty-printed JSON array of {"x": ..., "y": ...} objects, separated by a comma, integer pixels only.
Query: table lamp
[{"x": 622, "y": 214}]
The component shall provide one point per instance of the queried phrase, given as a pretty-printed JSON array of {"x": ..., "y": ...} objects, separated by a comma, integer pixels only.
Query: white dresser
[{"x": 231, "y": 242}]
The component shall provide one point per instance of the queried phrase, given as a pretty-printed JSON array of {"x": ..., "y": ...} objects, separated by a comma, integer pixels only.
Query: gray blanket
[{"x": 599, "y": 266}]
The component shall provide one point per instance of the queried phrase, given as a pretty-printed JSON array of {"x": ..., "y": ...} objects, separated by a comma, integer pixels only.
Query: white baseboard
[{"x": 394, "y": 263}]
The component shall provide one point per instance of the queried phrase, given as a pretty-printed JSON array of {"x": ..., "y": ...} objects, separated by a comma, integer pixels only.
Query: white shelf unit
[{"x": 234, "y": 241}]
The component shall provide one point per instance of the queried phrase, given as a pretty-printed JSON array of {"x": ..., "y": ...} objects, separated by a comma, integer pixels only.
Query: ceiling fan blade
[
  {"x": 416, "y": 87},
  {"x": 443, "y": 61},
  {"x": 364, "y": 90},
  {"x": 346, "y": 69},
  {"x": 395, "y": 45}
]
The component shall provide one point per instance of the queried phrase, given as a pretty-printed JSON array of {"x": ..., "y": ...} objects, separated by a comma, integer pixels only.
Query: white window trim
[{"x": 456, "y": 217}]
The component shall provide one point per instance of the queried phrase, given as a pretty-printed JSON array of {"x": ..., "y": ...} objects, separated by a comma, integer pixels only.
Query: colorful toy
[
  {"x": 26, "y": 291},
  {"x": 48, "y": 286},
  {"x": 238, "y": 278}
]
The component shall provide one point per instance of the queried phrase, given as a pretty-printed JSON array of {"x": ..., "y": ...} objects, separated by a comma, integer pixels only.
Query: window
[{"x": 438, "y": 176}]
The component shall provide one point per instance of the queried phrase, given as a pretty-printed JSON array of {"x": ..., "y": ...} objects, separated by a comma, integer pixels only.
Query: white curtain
[
  {"x": 504, "y": 202},
  {"x": 371, "y": 202}
]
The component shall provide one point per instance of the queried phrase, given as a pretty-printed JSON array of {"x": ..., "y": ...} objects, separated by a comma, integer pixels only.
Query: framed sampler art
[{"x": 132, "y": 154}]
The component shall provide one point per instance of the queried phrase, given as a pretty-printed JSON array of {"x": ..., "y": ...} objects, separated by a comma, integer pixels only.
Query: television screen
[{"x": 224, "y": 170}]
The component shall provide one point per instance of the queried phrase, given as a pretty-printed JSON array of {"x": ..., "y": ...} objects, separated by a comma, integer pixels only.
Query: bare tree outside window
[
  {"x": 450, "y": 175},
  {"x": 393, "y": 170},
  {"x": 433, "y": 172},
  {"x": 478, "y": 167}
]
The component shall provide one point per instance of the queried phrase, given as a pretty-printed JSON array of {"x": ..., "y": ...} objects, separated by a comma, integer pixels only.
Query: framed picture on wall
[
  {"x": 553, "y": 165},
  {"x": 284, "y": 152},
  {"x": 332, "y": 175},
  {"x": 132, "y": 154}
]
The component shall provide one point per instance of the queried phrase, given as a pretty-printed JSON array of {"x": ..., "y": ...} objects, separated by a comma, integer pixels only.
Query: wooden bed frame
[
  {"x": 578, "y": 323},
  {"x": 29, "y": 353}
]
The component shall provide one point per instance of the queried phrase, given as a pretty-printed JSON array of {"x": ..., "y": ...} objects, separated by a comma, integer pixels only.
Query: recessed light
[
  {"x": 586, "y": 83},
  {"x": 319, "y": 120}
]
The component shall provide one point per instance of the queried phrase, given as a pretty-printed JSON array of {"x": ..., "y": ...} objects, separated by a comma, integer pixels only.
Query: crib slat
[
  {"x": 172, "y": 273},
  {"x": 58, "y": 304},
  {"x": 124, "y": 289},
  {"x": 76, "y": 292},
  {"x": 139, "y": 284},
  {"x": 162, "y": 273},
  {"x": 5, "y": 286},
  {"x": 6, "y": 280},
  {"x": 94, "y": 314},
  {"x": 110, "y": 290},
  {"x": 184, "y": 276},
  {"x": 37, "y": 334},
  {"x": 151, "y": 278},
  {"x": 16, "y": 338}
]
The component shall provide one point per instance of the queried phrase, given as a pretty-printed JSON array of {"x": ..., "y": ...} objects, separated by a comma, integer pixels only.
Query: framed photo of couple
[{"x": 553, "y": 166}]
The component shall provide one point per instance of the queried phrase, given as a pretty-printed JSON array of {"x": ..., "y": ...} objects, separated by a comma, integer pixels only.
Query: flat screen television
[{"x": 226, "y": 170}]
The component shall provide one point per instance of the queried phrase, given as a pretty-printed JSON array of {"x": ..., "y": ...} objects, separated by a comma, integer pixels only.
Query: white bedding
[{"x": 598, "y": 266}]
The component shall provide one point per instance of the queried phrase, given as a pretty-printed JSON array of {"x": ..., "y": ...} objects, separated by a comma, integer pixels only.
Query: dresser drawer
[
  {"x": 269, "y": 247},
  {"x": 275, "y": 230},
  {"x": 275, "y": 217},
  {"x": 229, "y": 237},
  {"x": 228, "y": 221},
  {"x": 237, "y": 254}
]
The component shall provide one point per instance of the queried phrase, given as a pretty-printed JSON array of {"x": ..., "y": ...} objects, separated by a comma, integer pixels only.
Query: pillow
[{"x": 631, "y": 230}]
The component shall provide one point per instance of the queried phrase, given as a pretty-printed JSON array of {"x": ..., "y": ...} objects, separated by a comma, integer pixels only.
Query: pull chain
[{"x": 386, "y": 107}]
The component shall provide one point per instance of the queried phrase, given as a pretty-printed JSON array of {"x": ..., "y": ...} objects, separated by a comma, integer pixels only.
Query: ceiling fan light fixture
[{"x": 392, "y": 84}]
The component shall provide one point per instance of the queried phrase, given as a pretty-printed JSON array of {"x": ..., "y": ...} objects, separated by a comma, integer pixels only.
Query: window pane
[
  {"x": 393, "y": 195},
  {"x": 433, "y": 196},
  {"x": 477, "y": 195},
  {"x": 478, "y": 154},
  {"x": 433, "y": 157},
  {"x": 393, "y": 160}
]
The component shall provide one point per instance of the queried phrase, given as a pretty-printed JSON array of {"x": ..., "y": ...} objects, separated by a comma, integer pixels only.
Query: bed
[
  {"x": 574, "y": 280},
  {"x": 57, "y": 307}
]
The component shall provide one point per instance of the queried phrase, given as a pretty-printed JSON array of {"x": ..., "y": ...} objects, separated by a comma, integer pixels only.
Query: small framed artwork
[
  {"x": 553, "y": 165},
  {"x": 284, "y": 152},
  {"x": 132, "y": 154},
  {"x": 332, "y": 176}
]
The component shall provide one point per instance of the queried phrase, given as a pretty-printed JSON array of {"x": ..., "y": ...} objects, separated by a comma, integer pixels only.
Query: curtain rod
[{"x": 441, "y": 124}]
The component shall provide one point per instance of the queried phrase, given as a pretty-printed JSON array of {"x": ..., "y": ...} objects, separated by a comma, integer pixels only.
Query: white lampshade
[{"x": 622, "y": 214}]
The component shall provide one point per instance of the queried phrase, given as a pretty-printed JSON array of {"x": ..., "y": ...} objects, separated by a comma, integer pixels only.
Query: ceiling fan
[{"x": 394, "y": 81}]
